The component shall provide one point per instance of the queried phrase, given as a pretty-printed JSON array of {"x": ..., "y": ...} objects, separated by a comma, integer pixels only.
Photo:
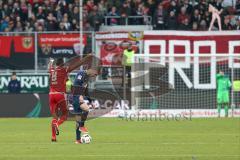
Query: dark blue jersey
[
  {"x": 81, "y": 78},
  {"x": 80, "y": 88},
  {"x": 14, "y": 86},
  {"x": 80, "y": 83}
]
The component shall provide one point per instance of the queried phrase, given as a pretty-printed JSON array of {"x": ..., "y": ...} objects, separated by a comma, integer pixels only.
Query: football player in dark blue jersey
[{"x": 81, "y": 100}]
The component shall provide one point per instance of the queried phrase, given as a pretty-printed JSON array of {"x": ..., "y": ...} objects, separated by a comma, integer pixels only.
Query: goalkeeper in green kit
[{"x": 223, "y": 87}]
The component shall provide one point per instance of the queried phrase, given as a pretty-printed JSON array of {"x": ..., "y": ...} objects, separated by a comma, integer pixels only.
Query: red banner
[
  {"x": 5, "y": 46},
  {"x": 16, "y": 52},
  {"x": 23, "y": 44}
]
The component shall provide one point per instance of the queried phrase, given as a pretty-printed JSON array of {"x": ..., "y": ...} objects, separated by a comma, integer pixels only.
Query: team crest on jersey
[{"x": 27, "y": 42}]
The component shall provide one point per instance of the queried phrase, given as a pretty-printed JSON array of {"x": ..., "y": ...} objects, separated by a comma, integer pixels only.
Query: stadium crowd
[{"x": 63, "y": 15}]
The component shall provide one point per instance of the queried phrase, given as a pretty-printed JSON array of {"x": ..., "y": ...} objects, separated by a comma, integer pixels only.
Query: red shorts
[{"x": 57, "y": 102}]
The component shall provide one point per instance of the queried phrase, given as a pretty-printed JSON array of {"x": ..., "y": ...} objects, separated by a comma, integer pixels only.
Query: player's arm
[
  {"x": 50, "y": 64},
  {"x": 229, "y": 84},
  {"x": 77, "y": 62},
  {"x": 81, "y": 99}
]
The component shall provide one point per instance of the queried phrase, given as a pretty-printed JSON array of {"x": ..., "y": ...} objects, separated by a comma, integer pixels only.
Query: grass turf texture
[{"x": 198, "y": 139}]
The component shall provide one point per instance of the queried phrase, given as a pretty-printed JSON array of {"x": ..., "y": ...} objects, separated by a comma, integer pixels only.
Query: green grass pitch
[{"x": 117, "y": 139}]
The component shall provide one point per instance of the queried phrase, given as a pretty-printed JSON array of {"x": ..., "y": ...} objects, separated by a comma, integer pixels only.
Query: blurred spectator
[
  {"x": 188, "y": 7},
  {"x": 226, "y": 24},
  {"x": 195, "y": 26},
  {"x": 125, "y": 11},
  {"x": 203, "y": 25},
  {"x": 207, "y": 17},
  {"x": 152, "y": 7},
  {"x": 6, "y": 11},
  {"x": 196, "y": 16},
  {"x": 139, "y": 12},
  {"x": 183, "y": 15},
  {"x": 51, "y": 22},
  {"x": 66, "y": 22},
  {"x": 171, "y": 22},
  {"x": 145, "y": 15},
  {"x": 102, "y": 7},
  {"x": 184, "y": 25},
  {"x": 14, "y": 85},
  {"x": 113, "y": 12},
  {"x": 95, "y": 19},
  {"x": 173, "y": 7},
  {"x": 90, "y": 5},
  {"x": 88, "y": 27},
  {"x": 5, "y": 23},
  {"x": 40, "y": 14},
  {"x": 18, "y": 27},
  {"x": 159, "y": 18},
  {"x": 75, "y": 25},
  {"x": 75, "y": 13},
  {"x": 62, "y": 27},
  {"x": 202, "y": 6}
]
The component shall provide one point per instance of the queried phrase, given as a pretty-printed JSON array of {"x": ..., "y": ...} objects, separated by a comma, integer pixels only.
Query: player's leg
[
  {"x": 78, "y": 132},
  {"x": 226, "y": 108},
  {"x": 219, "y": 107},
  {"x": 85, "y": 109},
  {"x": 62, "y": 104},
  {"x": 219, "y": 103},
  {"x": 82, "y": 127},
  {"x": 226, "y": 103},
  {"x": 77, "y": 110},
  {"x": 54, "y": 124},
  {"x": 52, "y": 105}
]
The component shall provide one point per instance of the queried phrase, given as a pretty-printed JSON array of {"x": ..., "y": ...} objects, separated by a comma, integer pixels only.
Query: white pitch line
[
  {"x": 123, "y": 143},
  {"x": 128, "y": 155}
]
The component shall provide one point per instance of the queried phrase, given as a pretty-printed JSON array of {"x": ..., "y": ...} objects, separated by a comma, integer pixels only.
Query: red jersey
[{"x": 58, "y": 77}]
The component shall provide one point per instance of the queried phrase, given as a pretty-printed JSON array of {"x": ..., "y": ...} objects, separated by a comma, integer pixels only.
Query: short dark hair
[
  {"x": 59, "y": 62},
  {"x": 14, "y": 73}
]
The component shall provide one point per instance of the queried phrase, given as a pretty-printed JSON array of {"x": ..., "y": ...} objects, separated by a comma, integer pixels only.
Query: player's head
[
  {"x": 221, "y": 72},
  {"x": 130, "y": 46},
  {"x": 92, "y": 72},
  {"x": 14, "y": 76},
  {"x": 59, "y": 62}
]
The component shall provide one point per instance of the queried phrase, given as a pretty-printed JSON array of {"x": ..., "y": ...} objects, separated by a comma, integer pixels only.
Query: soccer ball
[{"x": 86, "y": 139}]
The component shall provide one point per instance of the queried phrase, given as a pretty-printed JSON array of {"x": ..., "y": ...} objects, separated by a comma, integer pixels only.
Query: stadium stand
[{"x": 63, "y": 15}]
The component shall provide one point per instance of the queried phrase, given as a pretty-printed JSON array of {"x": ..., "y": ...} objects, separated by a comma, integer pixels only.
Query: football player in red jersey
[{"x": 57, "y": 100}]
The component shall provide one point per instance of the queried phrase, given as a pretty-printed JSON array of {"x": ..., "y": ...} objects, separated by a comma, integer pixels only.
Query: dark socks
[{"x": 78, "y": 133}]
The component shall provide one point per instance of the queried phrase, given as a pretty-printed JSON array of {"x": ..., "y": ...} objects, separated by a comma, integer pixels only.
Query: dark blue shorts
[{"x": 76, "y": 104}]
